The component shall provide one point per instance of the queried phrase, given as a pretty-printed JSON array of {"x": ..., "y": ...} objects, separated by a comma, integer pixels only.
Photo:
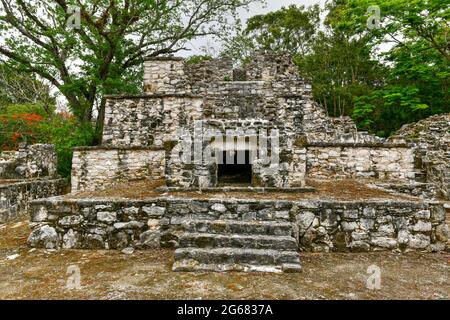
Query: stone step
[
  {"x": 192, "y": 265},
  {"x": 211, "y": 240},
  {"x": 240, "y": 227},
  {"x": 227, "y": 256}
]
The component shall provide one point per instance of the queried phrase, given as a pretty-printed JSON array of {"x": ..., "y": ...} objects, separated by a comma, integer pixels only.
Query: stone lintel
[{"x": 166, "y": 58}]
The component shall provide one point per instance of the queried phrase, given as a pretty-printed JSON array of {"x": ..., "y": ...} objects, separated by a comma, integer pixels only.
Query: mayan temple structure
[{"x": 238, "y": 169}]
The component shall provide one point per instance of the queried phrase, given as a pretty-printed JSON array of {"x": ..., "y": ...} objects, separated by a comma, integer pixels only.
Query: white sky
[{"x": 255, "y": 9}]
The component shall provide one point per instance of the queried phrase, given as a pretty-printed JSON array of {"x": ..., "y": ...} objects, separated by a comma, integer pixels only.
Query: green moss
[{"x": 198, "y": 59}]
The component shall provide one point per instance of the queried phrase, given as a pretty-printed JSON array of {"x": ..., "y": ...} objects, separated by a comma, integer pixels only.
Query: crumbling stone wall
[
  {"x": 16, "y": 195},
  {"x": 317, "y": 225},
  {"x": 382, "y": 225},
  {"x": 343, "y": 160},
  {"x": 268, "y": 87},
  {"x": 431, "y": 138},
  {"x": 147, "y": 120},
  {"x": 272, "y": 90},
  {"x": 30, "y": 161},
  {"x": 100, "y": 167},
  {"x": 27, "y": 174},
  {"x": 164, "y": 75},
  {"x": 432, "y": 133}
]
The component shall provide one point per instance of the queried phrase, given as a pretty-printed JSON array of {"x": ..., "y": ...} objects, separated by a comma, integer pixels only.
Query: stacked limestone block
[
  {"x": 313, "y": 225},
  {"x": 27, "y": 174},
  {"x": 431, "y": 138},
  {"x": 95, "y": 168}
]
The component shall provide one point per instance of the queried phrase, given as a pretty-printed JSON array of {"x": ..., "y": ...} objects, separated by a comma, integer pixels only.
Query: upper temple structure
[{"x": 186, "y": 106}]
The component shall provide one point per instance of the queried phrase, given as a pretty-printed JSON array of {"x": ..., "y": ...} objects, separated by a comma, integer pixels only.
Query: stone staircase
[{"x": 235, "y": 245}]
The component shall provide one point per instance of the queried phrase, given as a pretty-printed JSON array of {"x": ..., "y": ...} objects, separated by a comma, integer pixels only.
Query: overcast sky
[{"x": 271, "y": 5}]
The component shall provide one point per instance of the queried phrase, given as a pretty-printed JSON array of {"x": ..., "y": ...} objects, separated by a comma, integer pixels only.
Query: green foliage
[
  {"x": 66, "y": 133},
  {"x": 340, "y": 69},
  {"x": 196, "y": 59},
  {"x": 350, "y": 75},
  {"x": 339, "y": 66},
  {"x": 36, "y": 108},
  {"x": 395, "y": 104},
  {"x": 289, "y": 29},
  {"x": 417, "y": 81},
  {"x": 23, "y": 89},
  {"x": 401, "y": 21},
  {"x": 104, "y": 54}
]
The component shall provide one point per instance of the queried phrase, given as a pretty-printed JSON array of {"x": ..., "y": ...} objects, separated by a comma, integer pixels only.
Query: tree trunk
[{"x": 100, "y": 122}]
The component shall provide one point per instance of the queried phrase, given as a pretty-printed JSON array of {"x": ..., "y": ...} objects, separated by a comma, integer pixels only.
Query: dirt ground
[{"x": 42, "y": 274}]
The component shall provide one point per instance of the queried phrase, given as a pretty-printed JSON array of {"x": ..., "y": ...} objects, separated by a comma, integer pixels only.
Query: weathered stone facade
[
  {"x": 431, "y": 138},
  {"x": 30, "y": 161},
  {"x": 15, "y": 196},
  {"x": 189, "y": 118},
  {"x": 100, "y": 167},
  {"x": 266, "y": 94},
  {"x": 27, "y": 174},
  {"x": 350, "y": 160}
]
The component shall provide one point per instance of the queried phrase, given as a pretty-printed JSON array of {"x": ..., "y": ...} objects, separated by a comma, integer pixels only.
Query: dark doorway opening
[{"x": 232, "y": 171}]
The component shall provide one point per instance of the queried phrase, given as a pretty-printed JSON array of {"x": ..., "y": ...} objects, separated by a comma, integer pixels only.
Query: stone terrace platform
[
  {"x": 26, "y": 174},
  {"x": 218, "y": 227}
]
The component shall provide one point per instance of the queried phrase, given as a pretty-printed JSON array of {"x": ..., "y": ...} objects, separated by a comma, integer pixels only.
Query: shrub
[
  {"x": 17, "y": 128},
  {"x": 62, "y": 130},
  {"x": 35, "y": 108},
  {"x": 65, "y": 133}
]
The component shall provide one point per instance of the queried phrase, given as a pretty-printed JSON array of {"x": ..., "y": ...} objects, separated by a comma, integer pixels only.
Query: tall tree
[
  {"x": 290, "y": 29},
  {"x": 340, "y": 68},
  {"x": 338, "y": 65},
  {"x": 105, "y": 53},
  {"x": 401, "y": 21},
  {"x": 417, "y": 82}
]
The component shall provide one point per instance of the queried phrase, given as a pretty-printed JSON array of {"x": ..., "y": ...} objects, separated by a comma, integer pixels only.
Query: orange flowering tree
[
  {"x": 61, "y": 129},
  {"x": 17, "y": 128}
]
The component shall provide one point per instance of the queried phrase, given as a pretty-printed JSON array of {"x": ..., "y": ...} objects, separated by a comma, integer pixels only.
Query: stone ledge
[
  {"x": 15, "y": 197},
  {"x": 5, "y": 184},
  {"x": 68, "y": 199},
  {"x": 240, "y": 189},
  {"x": 152, "y": 96},
  {"x": 330, "y": 225},
  {"x": 150, "y": 58},
  {"x": 107, "y": 147}
]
